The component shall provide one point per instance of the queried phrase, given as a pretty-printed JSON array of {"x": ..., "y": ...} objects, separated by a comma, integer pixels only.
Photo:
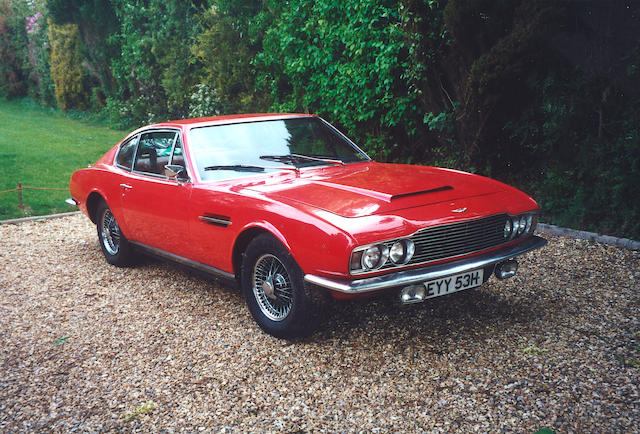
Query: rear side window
[
  {"x": 126, "y": 153},
  {"x": 154, "y": 152}
]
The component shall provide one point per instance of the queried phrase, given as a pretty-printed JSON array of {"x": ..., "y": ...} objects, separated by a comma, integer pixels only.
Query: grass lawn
[{"x": 42, "y": 148}]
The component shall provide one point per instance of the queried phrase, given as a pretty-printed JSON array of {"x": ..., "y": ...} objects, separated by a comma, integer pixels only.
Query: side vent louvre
[{"x": 216, "y": 219}]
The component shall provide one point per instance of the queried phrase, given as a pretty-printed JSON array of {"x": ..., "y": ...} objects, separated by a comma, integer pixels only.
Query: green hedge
[{"x": 537, "y": 94}]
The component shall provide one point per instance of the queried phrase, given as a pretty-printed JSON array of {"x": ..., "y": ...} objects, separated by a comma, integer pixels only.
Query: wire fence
[{"x": 20, "y": 188}]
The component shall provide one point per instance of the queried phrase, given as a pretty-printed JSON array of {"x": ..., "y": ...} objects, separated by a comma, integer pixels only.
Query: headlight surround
[
  {"x": 375, "y": 256},
  {"x": 520, "y": 225}
]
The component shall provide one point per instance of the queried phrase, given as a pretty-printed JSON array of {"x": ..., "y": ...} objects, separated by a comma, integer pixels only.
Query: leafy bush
[
  {"x": 66, "y": 66},
  {"x": 346, "y": 61},
  {"x": 97, "y": 23},
  {"x": 12, "y": 82},
  {"x": 230, "y": 40},
  {"x": 24, "y": 51},
  {"x": 204, "y": 101},
  {"x": 539, "y": 95}
]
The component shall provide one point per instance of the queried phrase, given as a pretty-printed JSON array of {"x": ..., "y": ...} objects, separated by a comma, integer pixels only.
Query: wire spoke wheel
[
  {"x": 272, "y": 287},
  {"x": 110, "y": 232}
]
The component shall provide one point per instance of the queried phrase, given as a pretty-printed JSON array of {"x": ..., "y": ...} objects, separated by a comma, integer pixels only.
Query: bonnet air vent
[{"x": 416, "y": 193}]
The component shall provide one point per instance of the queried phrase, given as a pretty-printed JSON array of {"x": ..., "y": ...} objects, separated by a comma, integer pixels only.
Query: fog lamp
[
  {"x": 412, "y": 294},
  {"x": 506, "y": 269}
]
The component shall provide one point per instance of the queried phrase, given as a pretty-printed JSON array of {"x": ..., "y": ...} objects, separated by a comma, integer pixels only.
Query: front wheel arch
[{"x": 242, "y": 242}]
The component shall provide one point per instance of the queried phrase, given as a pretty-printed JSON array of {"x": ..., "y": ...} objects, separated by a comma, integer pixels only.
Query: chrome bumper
[
  {"x": 71, "y": 202},
  {"x": 408, "y": 277}
]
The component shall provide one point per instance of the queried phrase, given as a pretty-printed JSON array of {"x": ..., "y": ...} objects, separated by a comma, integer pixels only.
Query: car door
[
  {"x": 213, "y": 213},
  {"x": 155, "y": 206}
]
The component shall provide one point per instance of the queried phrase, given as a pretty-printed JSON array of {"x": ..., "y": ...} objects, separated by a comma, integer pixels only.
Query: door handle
[{"x": 125, "y": 186}]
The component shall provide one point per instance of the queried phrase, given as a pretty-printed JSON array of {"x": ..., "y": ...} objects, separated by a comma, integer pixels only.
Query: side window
[
  {"x": 154, "y": 152},
  {"x": 178, "y": 155},
  {"x": 126, "y": 152}
]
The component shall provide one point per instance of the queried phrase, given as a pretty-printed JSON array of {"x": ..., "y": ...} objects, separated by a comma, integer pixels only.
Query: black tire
[
  {"x": 274, "y": 290},
  {"x": 114, "y": 245}
]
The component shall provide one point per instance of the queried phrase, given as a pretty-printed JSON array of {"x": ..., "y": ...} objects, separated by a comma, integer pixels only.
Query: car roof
[{"x": 227, "y": 119}]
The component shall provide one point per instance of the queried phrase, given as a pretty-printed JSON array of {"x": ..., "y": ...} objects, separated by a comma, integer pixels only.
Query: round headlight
[
  {"x": 522, "y": 225},
  {"x": 508, "y": 228},
  {"x": 516, "y": 226},
  {"x": 401, "y": 252},
  {"x": 529, "y": 224},
  {"x": 375, "y": 257}
]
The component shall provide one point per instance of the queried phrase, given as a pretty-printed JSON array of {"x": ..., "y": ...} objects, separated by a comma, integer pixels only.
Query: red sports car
[{"x": 292, "y": 210}]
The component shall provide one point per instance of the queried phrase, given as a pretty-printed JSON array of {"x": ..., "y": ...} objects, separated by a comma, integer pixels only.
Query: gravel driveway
[{"x": 87, "y": 346}]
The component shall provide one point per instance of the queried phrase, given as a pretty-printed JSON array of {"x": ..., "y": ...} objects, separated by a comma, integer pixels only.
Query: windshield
[{"x": 227, "y": 150}]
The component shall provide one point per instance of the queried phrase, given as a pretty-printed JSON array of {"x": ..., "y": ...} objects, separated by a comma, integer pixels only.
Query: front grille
[{"x": 457, "y": 239}]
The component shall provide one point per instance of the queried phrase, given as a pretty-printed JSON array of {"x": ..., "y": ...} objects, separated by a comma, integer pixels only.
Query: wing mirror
[{"x": 176, "y": 172}]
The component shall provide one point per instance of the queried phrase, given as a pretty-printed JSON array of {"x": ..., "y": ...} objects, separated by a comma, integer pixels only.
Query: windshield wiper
[
  {"x": 237, "y": 168},
  {"x": 248, "y": 168},
  {"x": 290, "y": 158}
]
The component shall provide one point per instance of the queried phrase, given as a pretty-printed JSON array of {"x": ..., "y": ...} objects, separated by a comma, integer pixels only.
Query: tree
[{"x": 66, "y": 69}]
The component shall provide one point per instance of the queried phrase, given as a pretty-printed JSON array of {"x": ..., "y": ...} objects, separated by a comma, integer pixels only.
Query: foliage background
[{"x": 543, "y": 95}]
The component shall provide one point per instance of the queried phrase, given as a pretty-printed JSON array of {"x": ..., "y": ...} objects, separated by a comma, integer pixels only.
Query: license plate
[{"x": 458, "y": 282}]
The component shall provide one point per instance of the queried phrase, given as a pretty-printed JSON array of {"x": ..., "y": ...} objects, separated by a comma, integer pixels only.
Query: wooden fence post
[{"x": 21, "y": 205}]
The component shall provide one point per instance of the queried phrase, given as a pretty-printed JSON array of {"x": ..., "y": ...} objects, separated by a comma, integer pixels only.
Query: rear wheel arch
[{"x": 93, "y": 201}]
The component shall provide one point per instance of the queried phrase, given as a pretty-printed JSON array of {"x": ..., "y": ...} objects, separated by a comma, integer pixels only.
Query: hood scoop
[{"x": 417, "y": 193}]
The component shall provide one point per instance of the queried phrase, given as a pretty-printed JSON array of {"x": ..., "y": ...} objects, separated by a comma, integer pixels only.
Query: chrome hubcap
[
  {"x": 110, "y": 233},
  {"x": 272, "y": 287},
  {"x": 269, "y": 290}
]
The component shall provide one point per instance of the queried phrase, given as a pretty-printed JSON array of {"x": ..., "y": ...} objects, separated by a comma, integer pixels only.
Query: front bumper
[{"x": 409, "y": 277}]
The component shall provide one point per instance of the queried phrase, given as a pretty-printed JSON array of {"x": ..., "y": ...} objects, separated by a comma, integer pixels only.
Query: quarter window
[
  {"x": 126, "y": 152},
  {"x": 154, "y": 152}
]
